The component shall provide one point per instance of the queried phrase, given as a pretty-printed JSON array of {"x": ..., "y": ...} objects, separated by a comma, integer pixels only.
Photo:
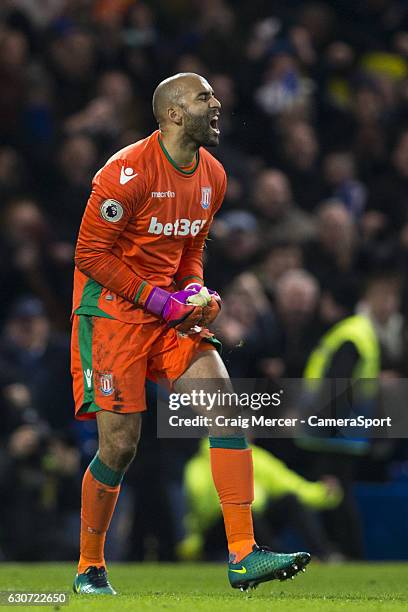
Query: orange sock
[
  {"x": 232, "y": 470},
  {"x": 98, "y": 504}
]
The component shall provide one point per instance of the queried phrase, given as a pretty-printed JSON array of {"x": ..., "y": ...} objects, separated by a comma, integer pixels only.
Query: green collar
[{"x": 173, "y": 163}]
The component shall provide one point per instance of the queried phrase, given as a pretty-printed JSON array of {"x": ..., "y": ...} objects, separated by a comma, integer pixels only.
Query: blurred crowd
[{"x": 314, "y": 227}]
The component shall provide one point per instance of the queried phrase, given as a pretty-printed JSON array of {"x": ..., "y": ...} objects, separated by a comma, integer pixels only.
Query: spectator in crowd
[
  {"x": 238, "y": 245},
  {"x": 36, "y": 358},
  {"x": 282, "y": 87},
  {"x": 72, "y": 59},
  {"x": 363, "y": 348},
  {"x": 68, "y": 188},
  {"x": 273, "y": 202},
  {"x": 14, "y": 60},
  {"x": 245, "y": 325},
  {"x": 39, "y": 263},
  {"x": 339, "y": 173},
  {"x": 333, "y": 254},
  {"x": 382, "y": 305},
  {"x": 299, "y": 149},
  {"x": 13, "y": 173},
  {"x": 388, "y": 195},
  {"x": 282, "y": 256},
  {"x": 115, "y": 110},
  {"x": 295, "y": 326}
]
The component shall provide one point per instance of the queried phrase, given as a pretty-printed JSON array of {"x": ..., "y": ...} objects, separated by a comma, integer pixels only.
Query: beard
[{"x": 198, "y": 129}]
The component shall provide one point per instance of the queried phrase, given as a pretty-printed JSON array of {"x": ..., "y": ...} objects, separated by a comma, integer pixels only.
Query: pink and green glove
[
  {"x": 174, "y": 309},
  {"x": 193, "y": 306},
  {"x": 209, "y": 300}
]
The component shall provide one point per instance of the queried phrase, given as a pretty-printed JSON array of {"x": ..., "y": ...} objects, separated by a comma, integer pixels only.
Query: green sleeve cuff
[
  {"x": 183, "y": 282},
  {"x": 142, "y": 293}
]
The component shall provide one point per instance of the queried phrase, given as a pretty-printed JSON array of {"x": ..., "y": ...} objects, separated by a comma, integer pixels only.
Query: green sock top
[
  {"x": 234, "y": 443},
  {"x": 105, "y": 474}
]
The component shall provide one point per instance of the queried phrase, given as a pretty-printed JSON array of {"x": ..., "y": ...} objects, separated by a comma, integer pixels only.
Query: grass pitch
[{"x": 198, "y": 587}]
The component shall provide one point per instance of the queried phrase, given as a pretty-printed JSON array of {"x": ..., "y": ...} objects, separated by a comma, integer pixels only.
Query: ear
[{"x": 175, "y": 115}]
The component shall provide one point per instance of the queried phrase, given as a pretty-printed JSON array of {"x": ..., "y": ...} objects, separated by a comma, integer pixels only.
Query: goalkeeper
[{"x": 139, "y": 312}]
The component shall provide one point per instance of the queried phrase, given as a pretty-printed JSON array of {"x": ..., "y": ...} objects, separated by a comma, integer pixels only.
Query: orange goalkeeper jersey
[{"x": 145, "y": 224}]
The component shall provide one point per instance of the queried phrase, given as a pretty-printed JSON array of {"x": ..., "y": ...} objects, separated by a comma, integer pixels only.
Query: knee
[
  {"x": 125, "y": 451},
  {"x": 119, "y": 451}
]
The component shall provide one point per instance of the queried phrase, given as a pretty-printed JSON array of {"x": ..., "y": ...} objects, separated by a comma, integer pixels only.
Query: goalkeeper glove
[
  {"x": 208, "y": 299},
  {"x": 174, "y": 308}
]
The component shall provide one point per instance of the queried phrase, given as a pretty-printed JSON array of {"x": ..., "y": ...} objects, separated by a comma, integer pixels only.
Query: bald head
[
  {"x": 185, "y": 105},
  {"x": 172, "y": 92}
]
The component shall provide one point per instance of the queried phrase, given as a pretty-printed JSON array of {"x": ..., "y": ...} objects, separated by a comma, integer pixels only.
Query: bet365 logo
[{"x": 180, "y": 227}]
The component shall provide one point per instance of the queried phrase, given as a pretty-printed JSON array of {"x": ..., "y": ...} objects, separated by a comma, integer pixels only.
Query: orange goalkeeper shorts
[{"x": 110, "y": 361}]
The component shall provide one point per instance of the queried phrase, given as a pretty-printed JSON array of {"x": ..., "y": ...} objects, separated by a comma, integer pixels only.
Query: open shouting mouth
[{"x": 214, "y": 124}]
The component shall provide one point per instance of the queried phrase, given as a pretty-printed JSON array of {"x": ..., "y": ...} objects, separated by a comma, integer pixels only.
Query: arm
[{"x": 108, "y": 211}]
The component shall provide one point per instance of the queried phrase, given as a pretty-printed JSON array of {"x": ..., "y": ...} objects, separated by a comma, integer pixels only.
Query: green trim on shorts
[
  {"x": 85, "y": 334},
  {"x": 215, "y": 342},
  {"x": 92, "y": 293},
  {"x": 88, "y": 408},
  {"x": 89, "y": 302},
  {"x": 90, "y": 311}
]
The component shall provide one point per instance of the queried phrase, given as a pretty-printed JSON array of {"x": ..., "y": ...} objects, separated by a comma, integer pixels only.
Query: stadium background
[{"x": 315, "y": 144}]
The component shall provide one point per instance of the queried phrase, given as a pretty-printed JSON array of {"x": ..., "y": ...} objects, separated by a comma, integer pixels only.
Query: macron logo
[
  {"x": 163, "y": 194},
  {"x": 126, "y": 175},
  {"x": 88, "y": 376}
]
